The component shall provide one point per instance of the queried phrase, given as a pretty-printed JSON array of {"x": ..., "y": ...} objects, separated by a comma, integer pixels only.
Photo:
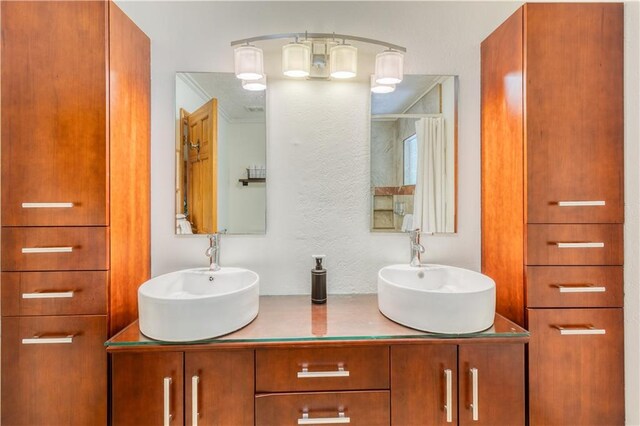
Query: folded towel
[
  {"x": 184, "y": 227},
  {"x": 407, "y": 223}
]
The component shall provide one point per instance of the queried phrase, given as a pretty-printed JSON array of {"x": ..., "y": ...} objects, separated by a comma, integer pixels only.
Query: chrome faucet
[
  {"x": 213, "y": 252},
  {"x": 416, "y": 248}
]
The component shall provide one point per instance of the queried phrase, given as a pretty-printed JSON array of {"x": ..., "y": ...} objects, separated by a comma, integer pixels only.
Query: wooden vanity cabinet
[
  {"x": 368, "y": 384},
  {"x": 473, "y": 384},
  {"x": 553, "y": 201},
  {"x": 75, "y": 133}
]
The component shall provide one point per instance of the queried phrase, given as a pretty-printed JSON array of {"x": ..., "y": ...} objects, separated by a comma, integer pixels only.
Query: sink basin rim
[
  {"x": 487, "y": 282},
  {"x": 145, "y": 288}
]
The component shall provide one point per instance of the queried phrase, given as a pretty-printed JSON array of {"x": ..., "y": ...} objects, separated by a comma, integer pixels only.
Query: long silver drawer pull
[
  {"x": 580, "y": 203},
  {"x": 587, "y": 288},
  {"x": 27, "y": 250},
  {"x": 341, "y": 419},
  {"x": 167, "y": 402},
  {"x": 306, "y": 374},
  {"x": 474, "y": 393},
  {"x": 35, "y": 340},
  {"x": 47, "y": 205},
  {"x": 194, "y": 400},
  {"x": 581, "y": 245},
  {"x": 48, "y": 295},
  {"x": 448, "y": 408},
  {"x": 581, "y": 330}
]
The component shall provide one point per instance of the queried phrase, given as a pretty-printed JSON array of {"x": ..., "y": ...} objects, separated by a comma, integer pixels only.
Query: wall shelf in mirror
[{"x": 247, "y": 181}]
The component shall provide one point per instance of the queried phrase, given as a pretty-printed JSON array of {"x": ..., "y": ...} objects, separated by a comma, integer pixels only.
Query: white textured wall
[{"x": 317, "y": 142}]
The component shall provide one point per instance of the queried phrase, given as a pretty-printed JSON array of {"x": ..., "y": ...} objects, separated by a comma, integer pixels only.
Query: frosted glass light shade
[
  {"x": 255, "y": 85},
  {"x": 296, "y": 60},
  {"x": 343, "y": 61},
  {"x": 381, "y": 88},
  {"x": 248, "y": 63},
  {"x": 389, "y": 67}
]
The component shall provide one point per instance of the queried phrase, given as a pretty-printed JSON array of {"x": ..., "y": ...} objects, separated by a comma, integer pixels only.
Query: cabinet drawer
[
  {"x": 54, "y": 293},
  {"x": 574, "y": 286},
  {"x": 576, "y": 368},
  {"x": 55, "y": 370},
  {"x": 50, "y": 249},
  {"x": 318, "y": 369},
  {"x": 574, "y": 245},
  {"x": 356, "y": 408}
]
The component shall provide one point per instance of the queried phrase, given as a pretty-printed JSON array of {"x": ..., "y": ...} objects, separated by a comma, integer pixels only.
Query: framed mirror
[
  {"x": 220, "y": 155},
  {"x": 413, "y": 155}
]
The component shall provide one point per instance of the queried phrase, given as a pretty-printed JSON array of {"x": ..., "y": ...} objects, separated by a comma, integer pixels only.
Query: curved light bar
[{"x": 322, "y": 36}]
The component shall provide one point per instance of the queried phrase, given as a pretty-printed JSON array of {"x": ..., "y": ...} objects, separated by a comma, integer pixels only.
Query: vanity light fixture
[
  {"x": 381, "y": 88},
  {"x": 296, "y": 59},
  {"x": 319, "y": 56},
  {"x": 255, "y": 85},
  {"x": 248, "y": 62},
  {"x": 389, "y": 67},
  {"x": 343, "y": 60}
]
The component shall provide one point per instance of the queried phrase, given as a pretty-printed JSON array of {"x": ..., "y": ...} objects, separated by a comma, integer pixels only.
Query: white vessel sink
[
  {"x": 437, "y": 298},
  {"x": 196, "y": 304}
]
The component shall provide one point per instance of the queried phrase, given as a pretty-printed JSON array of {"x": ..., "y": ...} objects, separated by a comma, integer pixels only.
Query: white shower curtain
[{"x": 429, "y": 200}]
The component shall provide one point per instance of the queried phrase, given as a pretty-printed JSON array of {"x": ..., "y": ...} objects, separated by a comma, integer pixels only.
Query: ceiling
[{"x": 412, "y": 88}]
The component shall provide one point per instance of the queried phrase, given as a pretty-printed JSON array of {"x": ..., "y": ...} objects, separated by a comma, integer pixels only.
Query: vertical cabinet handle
[
  {"x": 581, "y": 203},
  {"x": 473, "y": 372},
  {"x": 448, "y": 395},
  {"x": 194, "y": 400},
  {"x": 166, "y": 418}
]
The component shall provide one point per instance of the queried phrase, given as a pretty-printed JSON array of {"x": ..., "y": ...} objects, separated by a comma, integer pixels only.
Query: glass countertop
[{"x": 343, "y": 318}]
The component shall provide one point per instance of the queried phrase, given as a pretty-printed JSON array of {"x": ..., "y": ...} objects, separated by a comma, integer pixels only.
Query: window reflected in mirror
[
  {"x": 220, "y": 155},
  {"x": 413, "y": 155}
]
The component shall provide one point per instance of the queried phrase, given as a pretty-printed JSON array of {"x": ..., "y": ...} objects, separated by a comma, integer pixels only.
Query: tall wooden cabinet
[
  {"x": 552, "y": 201},
  {"x": 75, "y": 202}
]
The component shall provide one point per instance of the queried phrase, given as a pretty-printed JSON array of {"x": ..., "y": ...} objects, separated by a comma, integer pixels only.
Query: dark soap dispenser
[{"x": 318, "y": 281}]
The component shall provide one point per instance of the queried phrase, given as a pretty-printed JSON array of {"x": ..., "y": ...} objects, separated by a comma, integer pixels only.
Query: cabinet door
[
  {"x": 491, "y": 385},
  {"x": 54, "y": 118},
  {"x": 54, "y": 370},
  {"x": 574, "y": 105},
  {"x": 147, "y": 388},
  {"x": 219, "y": 388},
  {"x": 424, "y": 384},
  {"x": 576, "y": 367}
]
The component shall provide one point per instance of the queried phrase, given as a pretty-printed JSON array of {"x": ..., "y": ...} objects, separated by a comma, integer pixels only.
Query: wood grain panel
[
  {"x": 89, "y": 245},
  {"x": 543, "y": 289},
  {"x": 574, "y": 125},
  {"x": 502, "y": 165},
  {"x": 501, "y": 387},
  {"x": 418, "y": 384},
  {"x": 362, "y": 408},
  {"x": 89, "y": 293},
  {"x": 542, "y": 248},
  {"x": 277, "y": 369},
  {"x": 54, "y": 115},
  {"x": 137, "y": 392},
  {"x": 54, "y": 384},
  {"x": 576, "y": 379},
  {"x": 225, "y": 389},
  {"x": 129, "y": 168}
]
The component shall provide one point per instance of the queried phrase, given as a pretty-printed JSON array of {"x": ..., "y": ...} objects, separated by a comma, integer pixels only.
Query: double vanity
[{"x": 301, "y": 363}]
